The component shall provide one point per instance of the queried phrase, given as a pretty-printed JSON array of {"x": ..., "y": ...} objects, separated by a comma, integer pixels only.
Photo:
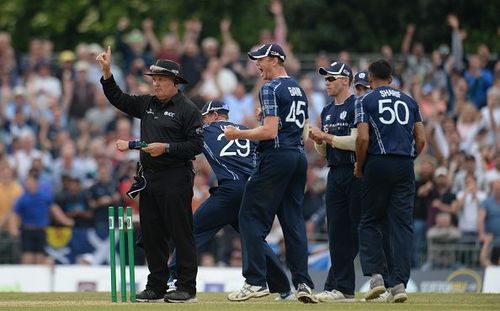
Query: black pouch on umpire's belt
[{"x": 139, "y": 184}]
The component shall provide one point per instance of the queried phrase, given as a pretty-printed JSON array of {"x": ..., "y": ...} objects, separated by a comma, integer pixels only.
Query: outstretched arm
[{"x": 269, "y": 130}]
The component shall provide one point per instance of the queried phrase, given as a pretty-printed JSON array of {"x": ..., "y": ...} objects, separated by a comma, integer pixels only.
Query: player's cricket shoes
[
  {"x": 248, "y": 291},
  {"x": 286, "y": 296},
  {"x": 384, "y": 297},
  {"x": 171, "y": 284},
  {"x": 304, "y": 294},
  {"x": 334, "y": 296},
  {"x": 376, "y": 287},
  {"x": 398, "y": 293}
]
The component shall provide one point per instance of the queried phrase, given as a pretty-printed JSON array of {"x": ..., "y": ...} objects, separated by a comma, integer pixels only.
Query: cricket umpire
[{"x": 171, "y": 125}]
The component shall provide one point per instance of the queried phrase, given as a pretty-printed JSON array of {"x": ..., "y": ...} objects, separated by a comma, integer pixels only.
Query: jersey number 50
[
  {"x": 242, "y": 147},
  {"x": 393, "y": 111},
  {"x": 296, "y": 110}
]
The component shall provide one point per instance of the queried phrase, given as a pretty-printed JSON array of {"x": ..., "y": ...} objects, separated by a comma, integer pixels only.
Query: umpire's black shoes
[
  {"x": 148, "y": 295},
  {"x": 180, "y": 296}
]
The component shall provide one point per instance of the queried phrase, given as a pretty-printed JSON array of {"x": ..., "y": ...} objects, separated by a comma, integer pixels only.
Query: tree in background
[{"x": 358, "y": 26}]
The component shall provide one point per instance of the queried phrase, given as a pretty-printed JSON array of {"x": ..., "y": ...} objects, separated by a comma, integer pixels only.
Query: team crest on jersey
[{"x": 343, "y": 114}]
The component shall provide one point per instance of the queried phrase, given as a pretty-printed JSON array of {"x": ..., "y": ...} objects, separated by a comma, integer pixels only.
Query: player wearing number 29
[
  {"x": 390, "y": 136},
  {"x": 276, "y": 186},
  {"x": 232, "y": 162}
]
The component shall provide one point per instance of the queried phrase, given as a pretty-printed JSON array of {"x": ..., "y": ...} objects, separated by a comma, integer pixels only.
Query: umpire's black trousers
[{"x": 165, "y": 211}]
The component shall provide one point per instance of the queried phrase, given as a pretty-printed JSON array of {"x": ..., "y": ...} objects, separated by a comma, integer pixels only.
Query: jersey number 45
[{"x": 296, "y": 110}]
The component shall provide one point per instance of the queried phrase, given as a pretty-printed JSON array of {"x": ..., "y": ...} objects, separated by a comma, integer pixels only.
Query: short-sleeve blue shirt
[
  {"x": 230, "y": 160},
  {"x": 284, "y": 98},
  {"x": 338, "y": 120},
  {"x": 391, "y": 115}
]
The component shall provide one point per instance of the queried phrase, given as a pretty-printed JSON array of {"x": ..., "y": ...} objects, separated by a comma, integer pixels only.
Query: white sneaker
[
  {"x": 334, "y": 296},
  {"x": 248, "y": 291},
  {"x": 377, "y": 287},
  {"x": 304, "y": 294},
  {"x": 384, "y": 297},
  {"x": 398, "y": 293},
  {"x": 171, "y": 285},
  {"x": 286, "y": 297}
]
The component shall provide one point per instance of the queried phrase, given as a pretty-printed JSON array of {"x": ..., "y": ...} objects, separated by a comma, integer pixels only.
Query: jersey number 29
[
  {"x": 297, "y": 109},
  {"x": 242, "y": 147}
]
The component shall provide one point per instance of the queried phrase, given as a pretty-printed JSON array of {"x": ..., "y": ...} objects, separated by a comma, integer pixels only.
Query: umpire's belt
[{"x": 187, "y": 164}]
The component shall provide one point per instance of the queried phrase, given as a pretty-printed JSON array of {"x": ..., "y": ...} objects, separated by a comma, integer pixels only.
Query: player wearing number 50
[
  {"x": 390, "y": 136},
  {"x": 276, "y": 186},
  {"x": 232, "y": 162}
]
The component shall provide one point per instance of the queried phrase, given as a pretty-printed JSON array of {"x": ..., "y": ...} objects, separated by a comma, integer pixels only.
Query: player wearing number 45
[
  {"x": 390, "y": 136},
  {"x": 232, "y": 162},
  {"x": 276, "y": 186}
]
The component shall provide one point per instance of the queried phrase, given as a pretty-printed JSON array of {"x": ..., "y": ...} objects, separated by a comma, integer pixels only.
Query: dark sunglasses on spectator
[{"x": 333, "y": 78}]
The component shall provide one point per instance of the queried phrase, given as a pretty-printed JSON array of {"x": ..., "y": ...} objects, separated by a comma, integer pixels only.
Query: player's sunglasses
[{"x": 333, "y": 78}]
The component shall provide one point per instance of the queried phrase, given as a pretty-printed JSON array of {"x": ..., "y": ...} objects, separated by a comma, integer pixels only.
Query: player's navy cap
[
  {"x": 335, "y": 69},
  {"x": 361, "y": 78},
  {"x": 213, "y": 106},
  {"x": 270, "y": 49}
]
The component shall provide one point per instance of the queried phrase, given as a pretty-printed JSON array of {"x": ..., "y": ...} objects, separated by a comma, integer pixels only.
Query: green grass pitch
[{"x": 218, "y": 302}]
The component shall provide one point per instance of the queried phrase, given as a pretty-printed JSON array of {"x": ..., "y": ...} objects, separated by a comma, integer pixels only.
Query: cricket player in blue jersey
[
  {"x": 232, "y": 162},
  {"x": 276, "y": 186},
  {"x": 361, "y": 87},
  {"x": 336, "y": 142},
  {"x": 390, "y": 135},
  {"x": 361, "y": 84}
]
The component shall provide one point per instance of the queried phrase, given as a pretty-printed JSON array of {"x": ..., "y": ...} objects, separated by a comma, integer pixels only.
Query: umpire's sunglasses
[{"x": 333, "y": 78}]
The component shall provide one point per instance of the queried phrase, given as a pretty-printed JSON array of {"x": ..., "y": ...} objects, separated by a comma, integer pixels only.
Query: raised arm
[
  {"x": 147, "y": 28},
  {"x": 104, "y": 60},
  {"x": 406, "y": 44},
  {"x": 132, "y": 105},
  {"x": 280, "y": 30},
  {"x": 457, "y": 49}
]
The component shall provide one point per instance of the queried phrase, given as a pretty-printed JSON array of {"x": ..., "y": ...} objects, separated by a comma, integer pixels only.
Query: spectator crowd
[{"x": 60, "y": 170}]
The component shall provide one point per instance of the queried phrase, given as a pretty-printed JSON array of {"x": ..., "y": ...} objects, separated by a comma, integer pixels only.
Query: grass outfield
[{"x": 218, "y": 302}]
